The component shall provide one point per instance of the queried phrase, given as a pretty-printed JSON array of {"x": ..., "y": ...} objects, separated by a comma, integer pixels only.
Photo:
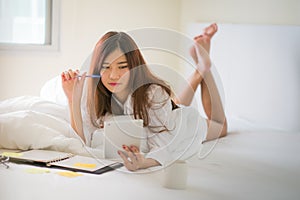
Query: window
[{"x": 29, "y": 24}]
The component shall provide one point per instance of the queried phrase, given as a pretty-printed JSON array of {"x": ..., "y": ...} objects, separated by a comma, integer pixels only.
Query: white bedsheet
[{"x": 246, "y": 164}]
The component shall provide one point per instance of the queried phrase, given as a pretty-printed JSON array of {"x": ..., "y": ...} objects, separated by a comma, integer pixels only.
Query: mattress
[{"x": 249, "y": 163}]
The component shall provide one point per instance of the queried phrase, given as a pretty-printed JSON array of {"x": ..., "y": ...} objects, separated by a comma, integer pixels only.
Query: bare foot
[{"x": 200, "y": 51}]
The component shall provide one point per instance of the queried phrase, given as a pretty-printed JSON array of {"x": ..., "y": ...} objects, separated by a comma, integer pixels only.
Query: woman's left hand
[{"x": 133, "y": 159}]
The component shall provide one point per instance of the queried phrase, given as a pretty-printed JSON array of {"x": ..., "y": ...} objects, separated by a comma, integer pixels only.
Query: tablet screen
[{"x": 121, "y": 130}]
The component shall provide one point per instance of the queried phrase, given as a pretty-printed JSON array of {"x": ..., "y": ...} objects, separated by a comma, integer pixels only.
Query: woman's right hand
[
  {"x": 68, "y": 79},
  {"x": 73, "y": 87}
]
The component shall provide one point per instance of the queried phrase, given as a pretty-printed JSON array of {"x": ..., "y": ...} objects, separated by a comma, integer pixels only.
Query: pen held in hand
[{"x": 90, "y": 76}]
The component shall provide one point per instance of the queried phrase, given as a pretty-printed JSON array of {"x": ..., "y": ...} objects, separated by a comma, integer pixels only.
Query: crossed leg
[{"x": 211, "y": 100}]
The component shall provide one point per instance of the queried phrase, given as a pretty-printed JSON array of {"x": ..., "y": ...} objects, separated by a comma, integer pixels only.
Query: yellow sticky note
[
  {"x": 85, "y": 165},
  {"x": 11, "y": 154},
  {"x": 69, "y": 174},
  {"x": 36, "y": 171}
]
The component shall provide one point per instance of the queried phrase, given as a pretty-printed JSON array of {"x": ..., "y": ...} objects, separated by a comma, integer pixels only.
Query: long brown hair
[{"x": 99, "y": 99}]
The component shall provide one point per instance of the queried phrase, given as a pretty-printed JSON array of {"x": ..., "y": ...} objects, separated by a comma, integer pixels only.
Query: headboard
[{"x": 259, "y": 66}]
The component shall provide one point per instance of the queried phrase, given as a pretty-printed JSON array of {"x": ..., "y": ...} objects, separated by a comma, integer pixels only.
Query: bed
[
  {"x": 246, "y": 164},
  {"x": 258, "y": 159}
]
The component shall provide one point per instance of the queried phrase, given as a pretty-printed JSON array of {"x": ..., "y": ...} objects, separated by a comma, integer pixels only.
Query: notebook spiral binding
[{"x": 48, "y": 164}]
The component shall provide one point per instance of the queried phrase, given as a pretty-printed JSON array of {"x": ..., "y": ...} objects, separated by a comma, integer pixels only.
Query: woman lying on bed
[{"x": 127, "y": 87}]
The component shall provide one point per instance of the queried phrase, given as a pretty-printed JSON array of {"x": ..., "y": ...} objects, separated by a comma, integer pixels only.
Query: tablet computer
[{"x": 121, "y": 130}]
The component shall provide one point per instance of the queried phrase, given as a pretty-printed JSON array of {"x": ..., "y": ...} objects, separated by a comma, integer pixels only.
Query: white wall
[
  {"x": 271, "y": 12},
  {"x": 83, "y": 22}
]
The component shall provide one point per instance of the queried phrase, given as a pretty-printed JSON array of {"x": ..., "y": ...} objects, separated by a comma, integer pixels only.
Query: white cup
[{"x": 175, "y": 175}]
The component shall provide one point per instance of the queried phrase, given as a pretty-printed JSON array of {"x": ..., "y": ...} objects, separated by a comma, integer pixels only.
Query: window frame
[{"x": 51, "y": 37}]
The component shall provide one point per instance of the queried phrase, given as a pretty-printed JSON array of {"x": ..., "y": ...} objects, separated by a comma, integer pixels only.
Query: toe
[
  {"x": 211, "y": 30},
  {"x": 198, "y": 36}
]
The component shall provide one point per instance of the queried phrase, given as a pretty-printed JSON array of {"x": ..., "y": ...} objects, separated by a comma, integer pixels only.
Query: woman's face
[{"x": 115, "y": 72}]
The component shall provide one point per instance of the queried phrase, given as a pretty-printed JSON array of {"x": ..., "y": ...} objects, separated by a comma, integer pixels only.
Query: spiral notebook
[{"x": 63, "y": 160}]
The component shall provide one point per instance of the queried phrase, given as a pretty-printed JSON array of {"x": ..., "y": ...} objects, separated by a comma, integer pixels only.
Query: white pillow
[{"x": 52, "y": 91}]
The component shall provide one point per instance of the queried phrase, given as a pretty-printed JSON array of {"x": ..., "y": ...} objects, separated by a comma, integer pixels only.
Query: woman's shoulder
[
  {"x": 156, "y": 91},
  {"x": 158, "y": 97}
]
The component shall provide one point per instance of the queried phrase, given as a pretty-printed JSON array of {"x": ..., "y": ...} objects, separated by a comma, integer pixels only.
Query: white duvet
[{"x": 29, "y": 122}]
